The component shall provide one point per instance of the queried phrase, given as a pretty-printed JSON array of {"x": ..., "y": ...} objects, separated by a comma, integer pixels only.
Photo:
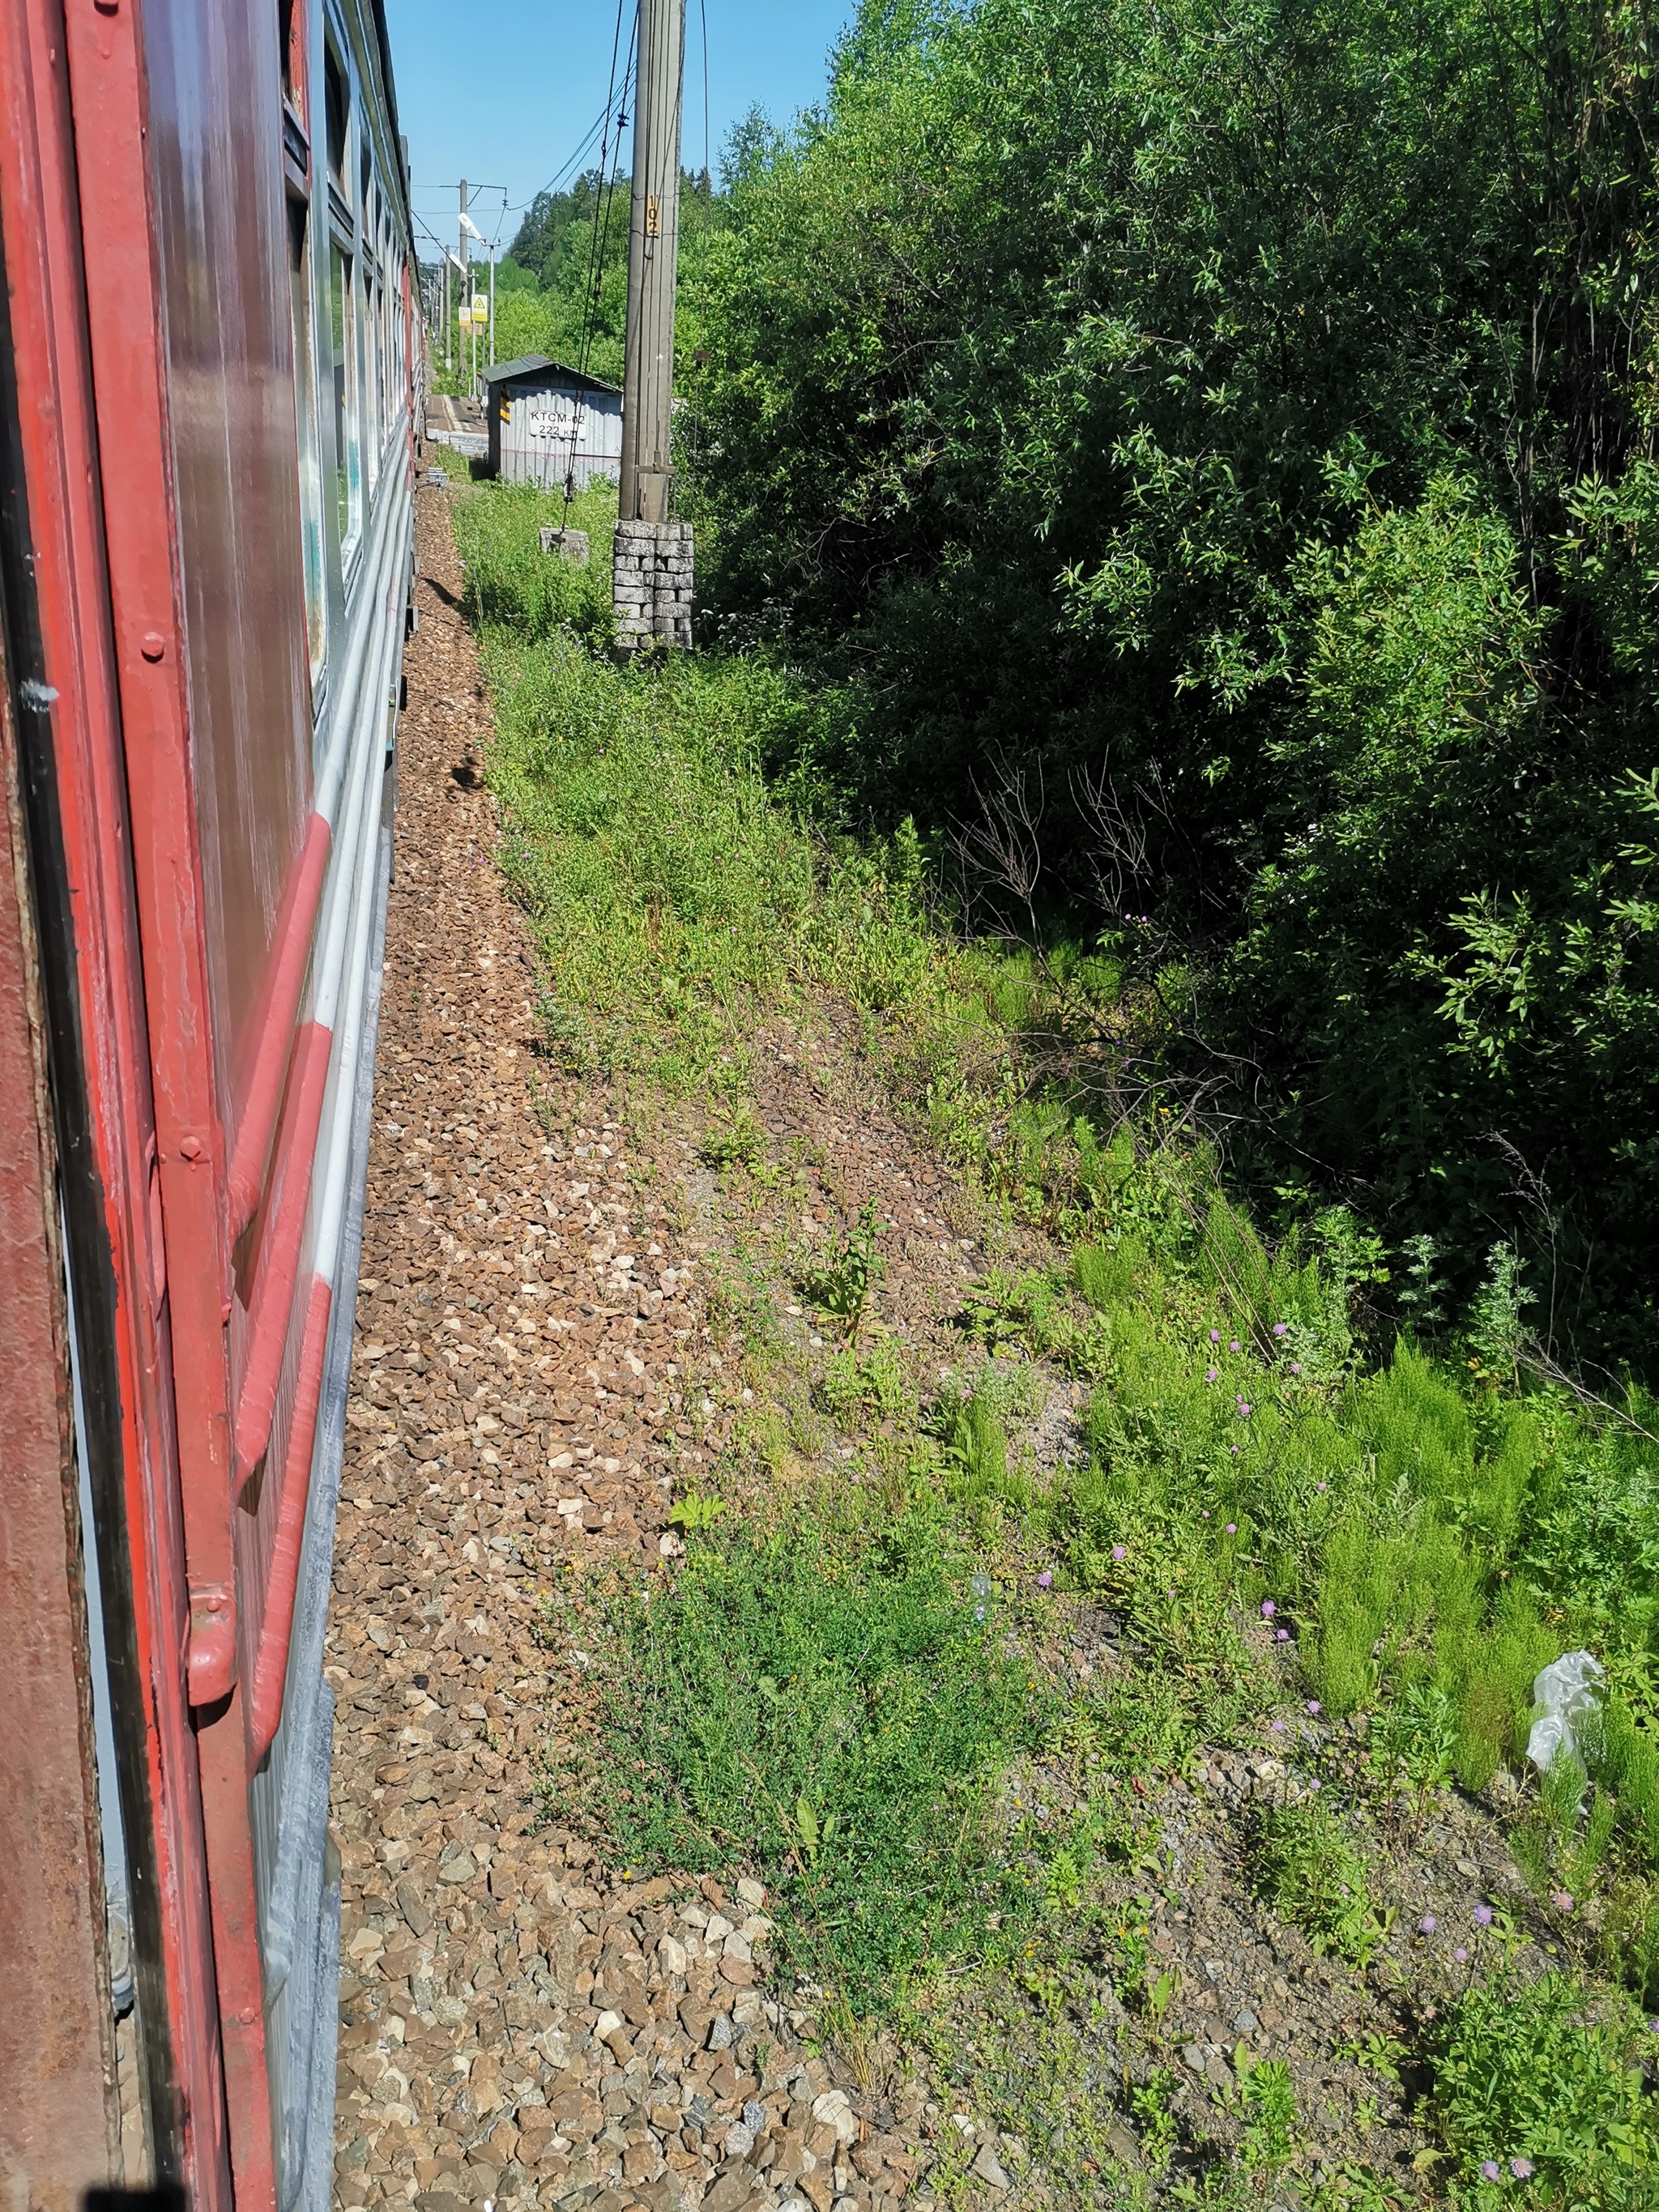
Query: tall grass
[{"x": 1415, "y": 1528}]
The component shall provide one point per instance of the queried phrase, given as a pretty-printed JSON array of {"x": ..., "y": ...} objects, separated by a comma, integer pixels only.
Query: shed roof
[{"x": 537, "y": 366}]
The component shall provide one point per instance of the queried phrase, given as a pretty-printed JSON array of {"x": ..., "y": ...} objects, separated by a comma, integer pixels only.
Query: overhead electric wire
[
  {"x": 600, "y": 236},
  {"x": 602, "y": 243},
  {"x": 708, "y": 182},
  {"x": 596, "y": 278}
]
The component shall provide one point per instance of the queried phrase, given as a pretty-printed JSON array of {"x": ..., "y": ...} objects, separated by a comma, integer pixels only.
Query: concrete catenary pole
[
  {"x": 651, "y": 580},
  {"x": 653, "y": 255},
  {"x": 465, "y": 258}
]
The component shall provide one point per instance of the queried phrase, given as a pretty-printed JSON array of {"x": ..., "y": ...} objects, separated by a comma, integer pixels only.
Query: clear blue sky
[{"x": 504, "y": 95}]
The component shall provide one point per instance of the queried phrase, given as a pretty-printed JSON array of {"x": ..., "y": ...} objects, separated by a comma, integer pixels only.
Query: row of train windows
[{"x": 356, "y": 372}]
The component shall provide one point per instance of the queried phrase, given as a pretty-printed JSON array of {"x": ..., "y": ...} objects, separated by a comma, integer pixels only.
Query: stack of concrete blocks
[
  {"x": 651, "y": 585},
  {"x": 571, "y": 544}
]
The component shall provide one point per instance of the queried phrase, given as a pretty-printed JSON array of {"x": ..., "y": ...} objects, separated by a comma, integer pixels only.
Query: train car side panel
[
  {"x": 59, "y": 2120},
  {"x": 62, "y": 657},
  {"x": 214, "y": 76}
]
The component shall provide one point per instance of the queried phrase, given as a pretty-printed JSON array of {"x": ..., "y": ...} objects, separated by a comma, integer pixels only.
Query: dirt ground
[
  {"x": 518, "y": 2019},
  {"x": 522, "y": 2021}
]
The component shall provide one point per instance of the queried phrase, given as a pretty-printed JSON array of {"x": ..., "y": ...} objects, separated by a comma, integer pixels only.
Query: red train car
[{"x": 208, "y": 372}]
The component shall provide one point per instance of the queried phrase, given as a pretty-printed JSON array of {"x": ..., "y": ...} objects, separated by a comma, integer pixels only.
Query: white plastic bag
[{"x": 1566, "y": 1690}]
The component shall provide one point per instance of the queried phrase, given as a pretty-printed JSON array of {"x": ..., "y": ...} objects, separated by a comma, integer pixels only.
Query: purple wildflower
[
  {"x": 1489, "y": 2169},
  {"x": 1296, "y": 1367},
  {"x": 1243, "y": 1410},
  {"x": 1045, "y": 1580},
  {"x": 1281, "y": 1329},
  {"x": 1561, "y": 1899},
  {"x": 1277, "y": 1727},
  {"x": 1268, "y": 1609},
  {"x": 1281, "y": 1635},
  {"x": 1211, "y": 1373},
  {"x": 1119, "y": 1550},
  {"x": 1483, "y": 1916},
  {"x": 1313, "y": 1705},
  {"x": 1232, "y": 1525},
  {"x": 1215, "y": 1336},
  {"x": 1233, "y": 1347},
  {"x": 1460, "y": 1954},
  {"x": 1521, "y": 2168},
  {"x": 1321, "y": 1486},
  {"x": 1427, "y": 1925}
]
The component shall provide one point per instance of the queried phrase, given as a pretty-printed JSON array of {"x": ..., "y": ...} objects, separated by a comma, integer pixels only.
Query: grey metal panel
[
  {"x": 308, "y": 1893},
  {"x": 288, "y": 1793}
]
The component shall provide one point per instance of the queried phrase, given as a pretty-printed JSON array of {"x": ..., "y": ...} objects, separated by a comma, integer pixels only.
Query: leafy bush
[
  {"x": 1135, "y": 394},
  {"x": 1542, "y": 2085}
]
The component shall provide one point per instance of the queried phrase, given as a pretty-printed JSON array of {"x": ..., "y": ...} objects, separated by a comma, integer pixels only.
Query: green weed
[
  {"x": 1270, "y": 2115},
  {"x": 695, "y": 1515},
  {"x": 843, "y": 1284},
  {"x": 822, "y": 1706},
  {"x": 1313, "y": 1877},
  {"x": 1540, "y": 2095},
  {"x": 872, "y": 1383}
]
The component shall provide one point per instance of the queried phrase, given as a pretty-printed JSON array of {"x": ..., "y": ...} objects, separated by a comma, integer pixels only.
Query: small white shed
[{"x": 548, "y": 423}]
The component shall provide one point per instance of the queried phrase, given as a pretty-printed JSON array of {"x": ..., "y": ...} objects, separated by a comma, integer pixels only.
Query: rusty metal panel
[
  {"x": 218, "y": 905},
  {"x": 214, "y": 84},
  {"x": 61, "y": 648},
  {"x": 59, "y": 2117}
]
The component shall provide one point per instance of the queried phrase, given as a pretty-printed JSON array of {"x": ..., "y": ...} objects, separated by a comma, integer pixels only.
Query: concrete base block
[{"x": 652, "y": 584}]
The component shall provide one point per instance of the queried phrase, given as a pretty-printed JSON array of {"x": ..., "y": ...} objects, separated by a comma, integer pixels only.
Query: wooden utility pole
[
  {"x": 654, "y": 228},
  {"x": 652, "y": 588}
]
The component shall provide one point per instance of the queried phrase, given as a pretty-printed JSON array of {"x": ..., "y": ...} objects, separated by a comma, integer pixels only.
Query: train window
[
  {"x": 338, "y": 100},
  {"x": 347, "y": 442},
  {"x": 291, "y": 30},
  {"x": 372, "y": 374},
  {"x": 304, "y": 405}
]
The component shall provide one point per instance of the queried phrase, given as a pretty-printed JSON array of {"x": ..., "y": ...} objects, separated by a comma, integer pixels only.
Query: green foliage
[
  {"x": 1242, "y": 419},
  {"x": 1313, "y": 1876},
  {"x": 1105, "y": 1274},
  {"x": 822, "y": 1706},
  {"x": 842, "y": 1284},
  {"x": 1544, "y": 2081},
  {"x": 872, "y": 1383},
  {"x": 511, "y": 582},
  {"x": 1270, "y": 2122},
  {"x": 567, "y": 297},
  {"x": 976, "y": 1454},
  {"x": 695, "y": 1514}
]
